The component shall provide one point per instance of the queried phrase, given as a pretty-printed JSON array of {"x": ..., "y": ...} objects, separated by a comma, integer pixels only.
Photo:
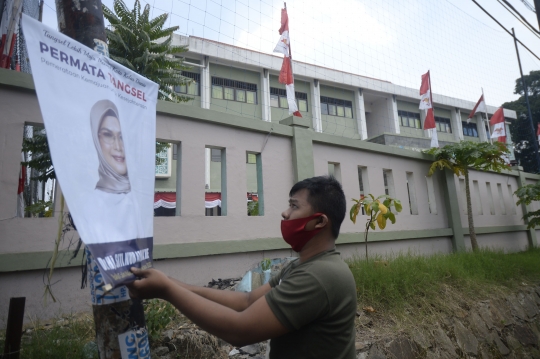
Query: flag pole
[{"x": 487, "y": 118}]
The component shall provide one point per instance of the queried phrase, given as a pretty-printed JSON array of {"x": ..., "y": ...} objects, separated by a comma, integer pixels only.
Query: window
[
  {"x": 251, "y": 158},
  {"x": 216, "y": 155},
  {"x": 409, "y": 119},
  {"x": 336, "y": 107},
  {"x": 191, "y": 88},
  {"x": 469, "y": 129},
  {"x": 232, "y": 90},
  {"x": 443, "y": 124},
  {"x": 278, "y": 98}
]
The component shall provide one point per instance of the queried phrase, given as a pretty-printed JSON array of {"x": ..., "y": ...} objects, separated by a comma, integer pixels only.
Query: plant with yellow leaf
[
  {"x": 460, "y": 157},
  {"x": 378, "y": 210}
]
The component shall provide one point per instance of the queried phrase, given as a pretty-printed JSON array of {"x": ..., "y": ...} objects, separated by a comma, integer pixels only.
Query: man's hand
[{"x": 151, "y": 283}]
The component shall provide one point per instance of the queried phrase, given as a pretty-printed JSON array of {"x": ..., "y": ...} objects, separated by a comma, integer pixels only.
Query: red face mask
[{"x": 295, "y": 234}]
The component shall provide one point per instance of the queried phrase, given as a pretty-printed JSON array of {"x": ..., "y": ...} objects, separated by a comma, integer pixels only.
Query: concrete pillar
[
  {"x": 316, "y": 105},
  {"x": 457, "y": 127},
  {"x": 452, "y": 209},
  {"x": 206, "y": 83},
  {"x": 393, "y": 118},
  {"x": 265, "y": 96},
  {"x": 207, "y": 159},
  {"x": 302, "y": 147},
  {"x": 480, "y": 125},
  {"x": 361, "y": 114}
]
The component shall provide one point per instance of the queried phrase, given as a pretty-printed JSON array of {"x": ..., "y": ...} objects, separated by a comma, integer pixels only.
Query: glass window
[
  {"x": 229, "y": 94},
  {"x": 348, "y": 112},
  {"x": 411, "y": 121},
  {"x": 180, "y": 89},
  {"x": 251, "y": 97},
  {"x": 251, "y": 158},
  {"x": 217, "y": 92},
  {"x": 193, "y": 89},
  {"x": 274, "y": 100},
  {"x": 417, "y": 123},
  {"x": 240, "y": 95},
  {"x": 448, "y": 128},
  {"x": 340, "y": 111},
  {"x": 332, "y": 110},
  {"x": 283, "y": 102},
  {"x": 302, "y": 105},
  {"x": 403, "y": 120},
  {"x": 324, "y": 109}
]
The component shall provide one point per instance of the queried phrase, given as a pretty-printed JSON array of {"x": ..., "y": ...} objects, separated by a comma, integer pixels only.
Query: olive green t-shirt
[{"x": 316, "y": 300}]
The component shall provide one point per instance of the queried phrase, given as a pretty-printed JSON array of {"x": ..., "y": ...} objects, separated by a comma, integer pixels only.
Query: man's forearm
[{"x": 237, "y": 301}]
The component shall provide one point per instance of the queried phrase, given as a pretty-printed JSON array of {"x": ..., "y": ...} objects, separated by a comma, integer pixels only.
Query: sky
[{"x": 396, "y": 40}]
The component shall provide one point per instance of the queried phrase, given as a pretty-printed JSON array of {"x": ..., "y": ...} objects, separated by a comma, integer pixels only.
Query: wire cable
[{"x": 505, "y": 29}]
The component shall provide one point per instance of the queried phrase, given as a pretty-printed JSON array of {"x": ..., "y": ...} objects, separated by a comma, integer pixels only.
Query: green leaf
[
  {"x": 391, "y": 217},
  {"x": 398, "y": 206},
  {"x": 372, "y": 225}
]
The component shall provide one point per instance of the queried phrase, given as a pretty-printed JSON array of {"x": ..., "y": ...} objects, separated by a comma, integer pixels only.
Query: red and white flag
[
  {"x": 286, "y": 73},
  {"x": 480, "y": 107},
  {"x": 538, "y": 132},
  {"x": 20, "y": 191},
  {"x": 499, "y": 128},
  {"x": 426, "y": 103}
]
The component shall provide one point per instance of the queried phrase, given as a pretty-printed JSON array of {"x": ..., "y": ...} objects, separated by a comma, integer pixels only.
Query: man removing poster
[{"x": 100, "y": 120}]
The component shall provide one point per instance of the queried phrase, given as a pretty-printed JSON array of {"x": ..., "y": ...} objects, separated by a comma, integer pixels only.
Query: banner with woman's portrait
[{"x": 100, "y": 119}]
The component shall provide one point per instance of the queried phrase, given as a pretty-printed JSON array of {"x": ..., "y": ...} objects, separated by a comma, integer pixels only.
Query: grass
[
  {"x": 65, "y": 339},
  {"x": 408, "y": 282}
]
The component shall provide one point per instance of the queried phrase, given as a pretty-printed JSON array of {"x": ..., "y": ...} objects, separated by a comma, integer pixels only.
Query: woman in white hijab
[{"x": 115, "y": 213}]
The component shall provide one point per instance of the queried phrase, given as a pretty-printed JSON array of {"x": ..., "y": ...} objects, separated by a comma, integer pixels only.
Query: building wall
[
  {"x": 381, "y": 117},
  {"x": 237, "y": 108},
  {"x": 196, "y": 99},
  {"x": 335, "y": 125},
  {"x": 194, "y": 246}
]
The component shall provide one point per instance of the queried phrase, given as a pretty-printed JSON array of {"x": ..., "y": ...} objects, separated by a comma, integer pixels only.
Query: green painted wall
[
  {"x": 167, "y": 184},
  {"x": 251, "y": 174},
  {"x": 215, "y": 177},
  {"x": 237, "y": 108},
  {"x": 279, "y": 114},
  {"x": 335, "y": 125}
]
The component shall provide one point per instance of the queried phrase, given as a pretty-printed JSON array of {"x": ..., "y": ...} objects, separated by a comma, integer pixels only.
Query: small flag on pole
[
  {"x": 479, "y": 107},
  {"x": 426, "y": 103},
  {"x": 286, "y": 74},
  {"x": 20, "y": 190},
  {"x": 499, "y": 130},
  {"x": 538, "y": 132}
]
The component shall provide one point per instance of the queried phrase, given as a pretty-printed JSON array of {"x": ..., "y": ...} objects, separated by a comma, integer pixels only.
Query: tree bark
[{"x": 472, "y": 233}]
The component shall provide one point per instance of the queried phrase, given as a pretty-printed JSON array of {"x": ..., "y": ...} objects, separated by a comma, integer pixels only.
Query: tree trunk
[{"x": 472, "y": 233}]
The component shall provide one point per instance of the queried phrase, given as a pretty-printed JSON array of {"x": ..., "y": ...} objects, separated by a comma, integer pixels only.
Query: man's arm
[
  {"x": 256, "y": 323},
  {"x": 238, "y": 301}
]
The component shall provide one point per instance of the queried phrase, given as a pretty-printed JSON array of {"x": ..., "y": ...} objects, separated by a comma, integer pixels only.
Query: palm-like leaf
[{"x": 144, "y": 46}]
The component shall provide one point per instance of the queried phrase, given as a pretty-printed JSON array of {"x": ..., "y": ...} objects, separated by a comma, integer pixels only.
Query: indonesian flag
[
  {"x": 497, "y": 121},
  {"x": 286, "y": 74},
  {"x": 8, "y": 31},
  {"x": 480, "y": 107},
  {"x": 20, "y": 191},
  {"x": 426, "y": 103}
]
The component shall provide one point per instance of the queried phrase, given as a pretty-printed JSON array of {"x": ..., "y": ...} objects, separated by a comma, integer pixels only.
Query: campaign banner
[{"x": 100, "y": 120}]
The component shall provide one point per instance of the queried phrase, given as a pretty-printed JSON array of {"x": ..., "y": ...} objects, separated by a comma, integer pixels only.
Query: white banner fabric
[{"x": 100, "y": 120}]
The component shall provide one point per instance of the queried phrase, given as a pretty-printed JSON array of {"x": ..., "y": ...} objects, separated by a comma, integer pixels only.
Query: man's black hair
[{"x": 325, "y": 195}]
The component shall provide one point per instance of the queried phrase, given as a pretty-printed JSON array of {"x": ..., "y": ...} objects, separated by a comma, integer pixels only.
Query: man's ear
[{"x": 322, "y": 221}]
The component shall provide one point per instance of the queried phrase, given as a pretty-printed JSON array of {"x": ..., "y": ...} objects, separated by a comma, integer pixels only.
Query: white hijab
[{"x": 109, "y": 180}]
